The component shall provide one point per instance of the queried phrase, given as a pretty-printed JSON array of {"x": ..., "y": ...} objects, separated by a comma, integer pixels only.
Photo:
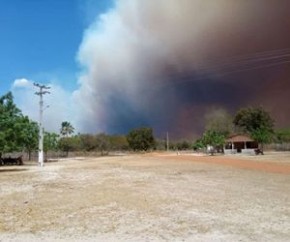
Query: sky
[
  {"x": 114, "y": 65},
  {"x": 40, "y": 39}
]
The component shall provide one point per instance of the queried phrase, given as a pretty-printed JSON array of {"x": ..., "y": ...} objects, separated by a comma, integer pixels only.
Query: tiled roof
[{"x": 239, "y": 138}]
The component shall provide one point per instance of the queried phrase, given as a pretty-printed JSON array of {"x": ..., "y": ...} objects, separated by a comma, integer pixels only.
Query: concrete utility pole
[{"x": 42, "y": 91}]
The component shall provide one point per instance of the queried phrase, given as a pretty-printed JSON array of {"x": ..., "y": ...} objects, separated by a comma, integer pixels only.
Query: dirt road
[{"x": 147, "y": 198}]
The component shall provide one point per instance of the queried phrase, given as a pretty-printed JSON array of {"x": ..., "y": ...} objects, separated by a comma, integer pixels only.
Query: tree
[
  {"x": 219, "y": 121},
  {"x": 256, "y": 122},
  {"x": 198, "y": 144},
  {"x": 219, "y": 124},
  {"x": 68, "y": 144},
  {"x": 17, "y": 132},
  {"x": 183, "y": 145},
  {"x": 141, "y": 139},
  {"x": 118, "y": 142},
  {"x": 213, "y": 139},
  {"x": 251, "y": 119},
  {"x": 27, "y": 135},
  {"x": 8, "y": 115},
  {"x": 66, "y": 129},
  {"x": 103, "y": 143},
  {"x": 262, "y": 136},
  {"x": 88, "y": 142},
  {"x": 50, "y": 142}
]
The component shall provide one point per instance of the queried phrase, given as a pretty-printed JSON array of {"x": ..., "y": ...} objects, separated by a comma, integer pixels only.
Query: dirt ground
[{"x": 155, "y": 197}]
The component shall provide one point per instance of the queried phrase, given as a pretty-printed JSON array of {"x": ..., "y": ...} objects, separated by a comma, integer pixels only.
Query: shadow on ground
[{"x": 12, "y": 170}]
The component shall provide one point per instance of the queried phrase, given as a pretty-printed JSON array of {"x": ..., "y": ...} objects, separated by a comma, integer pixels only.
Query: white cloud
[{"x": 22, "y": 83}]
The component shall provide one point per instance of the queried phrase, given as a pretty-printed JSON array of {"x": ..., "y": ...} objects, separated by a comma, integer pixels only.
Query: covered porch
[{"x": 243, "y": 144}]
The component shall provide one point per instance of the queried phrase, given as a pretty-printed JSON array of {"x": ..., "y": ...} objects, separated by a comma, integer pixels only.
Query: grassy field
[{"x": 155, "y": 197}]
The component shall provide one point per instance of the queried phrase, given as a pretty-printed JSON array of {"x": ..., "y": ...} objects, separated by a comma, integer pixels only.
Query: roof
[{"x": 239, "y": 138}]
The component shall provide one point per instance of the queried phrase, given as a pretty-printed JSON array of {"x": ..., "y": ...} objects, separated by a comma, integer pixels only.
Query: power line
[
  {"x": 43, "y": 89},
  {"x": 224, "y": 67}
]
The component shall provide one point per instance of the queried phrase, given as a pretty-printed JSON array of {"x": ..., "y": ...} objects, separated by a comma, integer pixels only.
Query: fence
[{"x": 278, "y": 147}]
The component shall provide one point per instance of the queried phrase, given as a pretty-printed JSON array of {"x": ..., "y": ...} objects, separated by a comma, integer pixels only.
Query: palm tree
[{"x": 66, "y": 129}]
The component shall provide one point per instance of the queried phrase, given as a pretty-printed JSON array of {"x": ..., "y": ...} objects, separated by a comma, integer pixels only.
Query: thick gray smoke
[{"x": 164, "y": 63}]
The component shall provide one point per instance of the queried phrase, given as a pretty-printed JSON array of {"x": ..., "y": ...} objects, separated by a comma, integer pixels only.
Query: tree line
[{"x": 20, "y": 134}]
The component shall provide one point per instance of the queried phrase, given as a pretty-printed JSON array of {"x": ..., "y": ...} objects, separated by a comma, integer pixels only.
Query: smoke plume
[{"x": 165, "y": 63}]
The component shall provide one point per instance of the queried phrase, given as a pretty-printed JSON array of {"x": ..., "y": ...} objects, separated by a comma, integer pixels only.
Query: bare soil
[{"x": 156, "y": 197}]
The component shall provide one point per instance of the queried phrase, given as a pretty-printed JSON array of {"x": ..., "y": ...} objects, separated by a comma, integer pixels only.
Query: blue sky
[{"x": 40, "y": 39}]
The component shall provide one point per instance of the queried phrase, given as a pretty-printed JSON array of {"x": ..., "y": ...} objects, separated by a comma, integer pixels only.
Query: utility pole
[
  {"x": 42, "y": 91},
  {"x": 167, "y": 141}
]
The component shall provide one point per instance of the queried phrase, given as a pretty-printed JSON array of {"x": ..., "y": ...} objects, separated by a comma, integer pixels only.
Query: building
[{"x": 240, "y": 144}]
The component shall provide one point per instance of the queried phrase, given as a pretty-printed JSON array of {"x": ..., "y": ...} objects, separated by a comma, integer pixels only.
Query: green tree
[
  {"x": 66, "y": 129},
  {"x": 50, "y": 142},
  {"x": 213, "y": 138},
  {"x": 27, "y": 135},
  {"x": 9, "y": 113},
  {"x": 141, "y": 139},
  {"x": 198, "y": 144},
  {"x": 256, "y": 122},
  {"x": 262, "y": 136},
  {"x": 17, "y": 132},
  {"x": 251, "y": 119}
]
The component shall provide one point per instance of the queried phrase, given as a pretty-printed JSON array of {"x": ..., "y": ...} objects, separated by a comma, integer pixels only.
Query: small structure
[{"x": 240, "y": 144}]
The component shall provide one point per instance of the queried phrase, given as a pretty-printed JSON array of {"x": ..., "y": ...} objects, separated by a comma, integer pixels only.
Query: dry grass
[{"x": 146, "y": 198}]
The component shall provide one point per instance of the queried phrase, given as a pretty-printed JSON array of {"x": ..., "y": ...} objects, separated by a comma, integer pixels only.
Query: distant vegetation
[
  {"x": 85, "y": 143},
  {"x": 141, "y": 139},
  {"x": 20, "y": 134}
]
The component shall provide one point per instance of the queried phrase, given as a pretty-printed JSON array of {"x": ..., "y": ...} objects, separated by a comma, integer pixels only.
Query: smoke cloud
[{"x": 165, "y": 63}]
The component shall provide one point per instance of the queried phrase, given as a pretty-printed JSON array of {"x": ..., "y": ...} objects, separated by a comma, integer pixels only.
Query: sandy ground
[{"x": 156, "y": 197}]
